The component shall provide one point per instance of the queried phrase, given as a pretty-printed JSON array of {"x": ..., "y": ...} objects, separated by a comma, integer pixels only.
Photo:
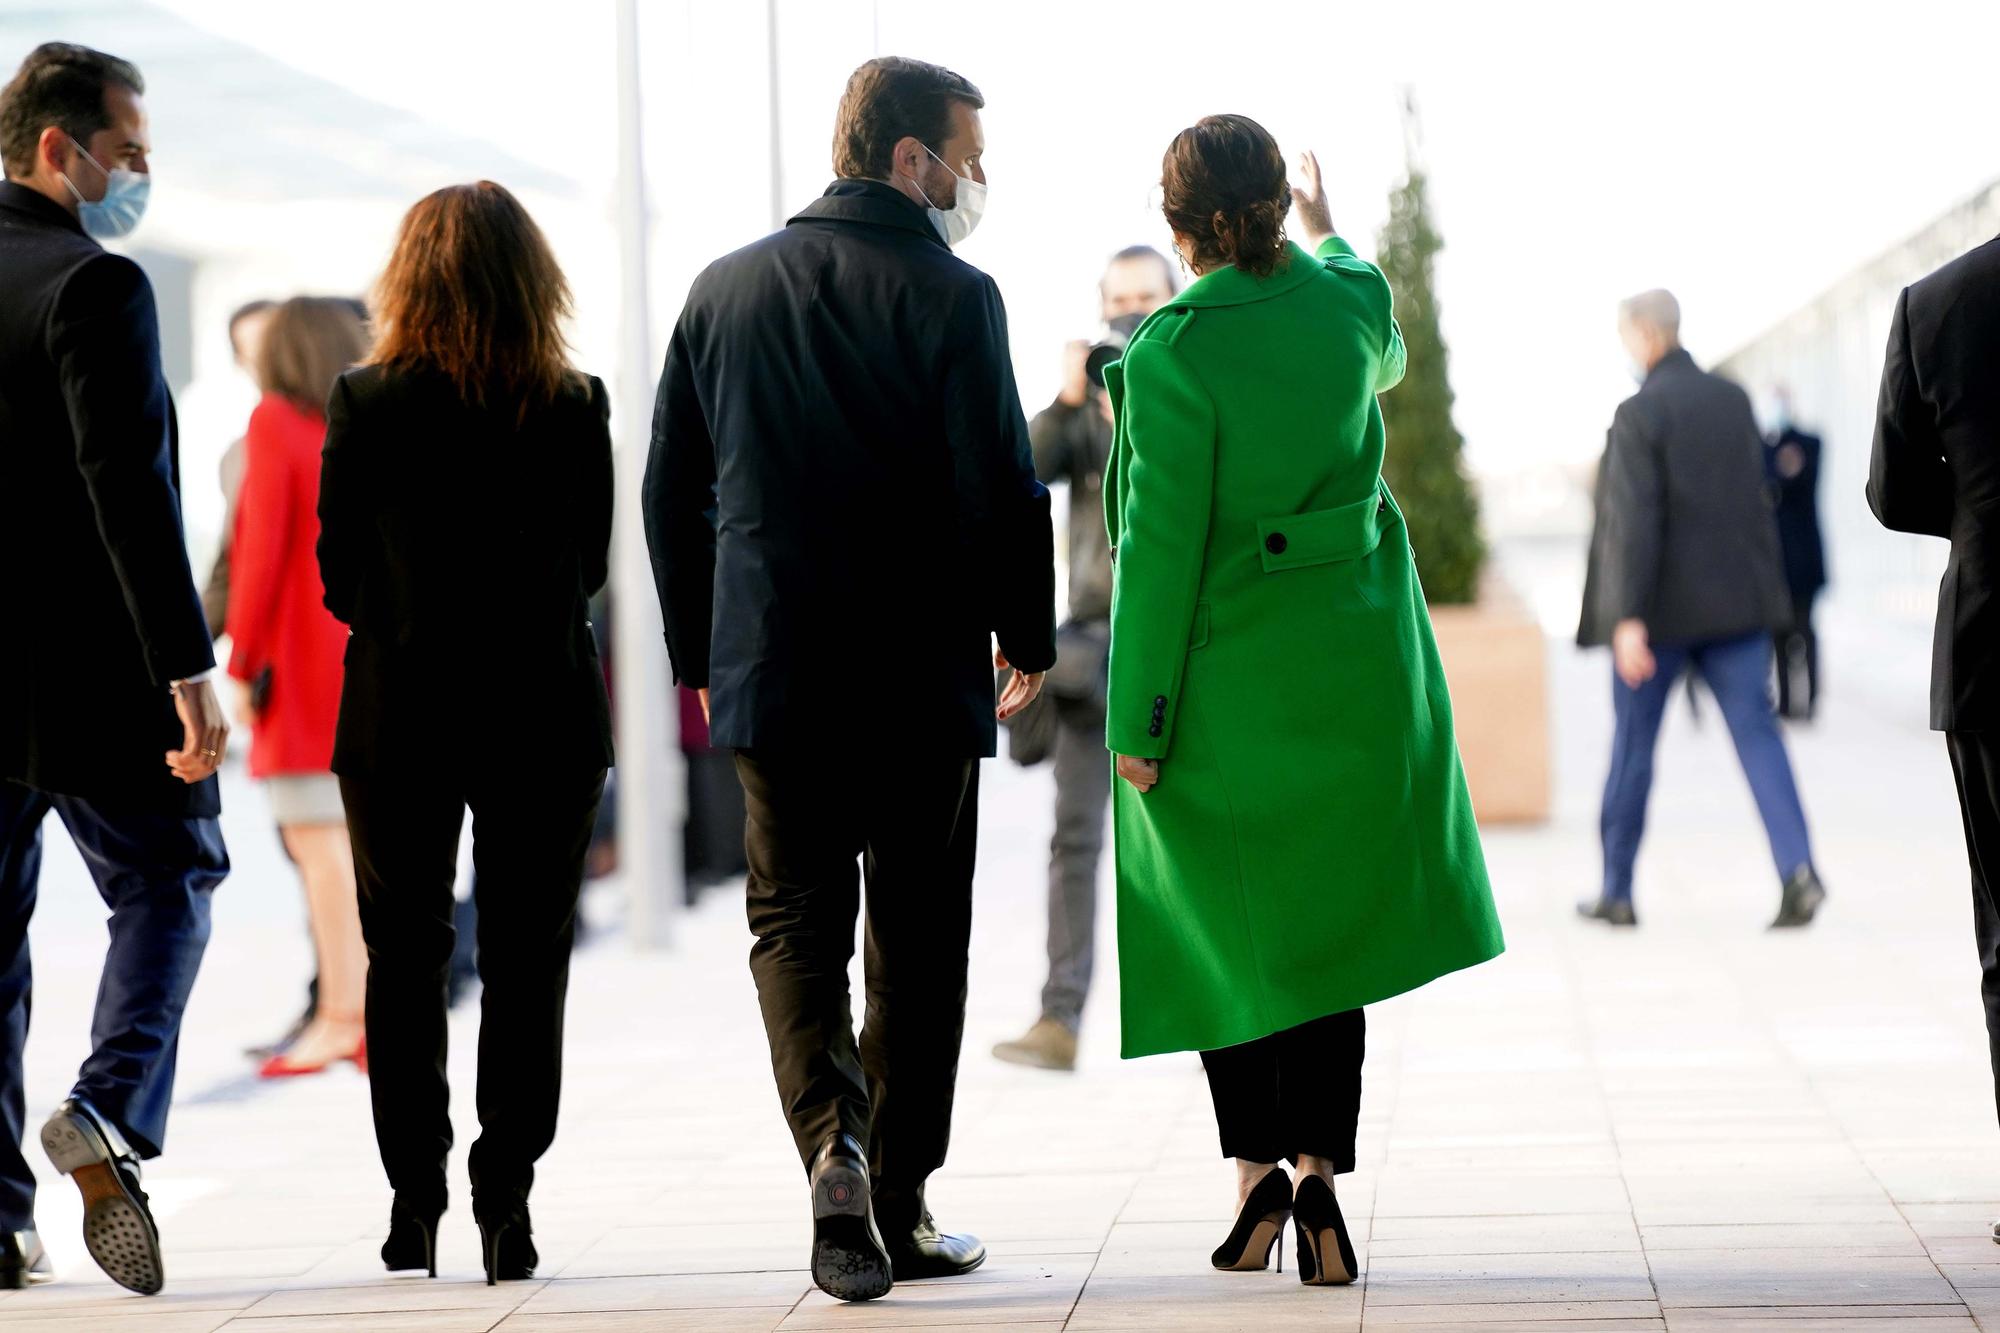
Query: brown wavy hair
[
  {"x": 474, "y": 293},
  {"x": 1223, "y": 189},
  {"x": 308, "y": 342}
]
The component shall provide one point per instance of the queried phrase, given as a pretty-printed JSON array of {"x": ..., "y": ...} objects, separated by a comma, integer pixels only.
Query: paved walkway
[{"x": 1695, "y": 1126}]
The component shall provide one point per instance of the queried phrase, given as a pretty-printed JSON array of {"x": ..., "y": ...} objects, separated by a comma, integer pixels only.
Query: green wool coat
[{"x": 1310, "y": 847}]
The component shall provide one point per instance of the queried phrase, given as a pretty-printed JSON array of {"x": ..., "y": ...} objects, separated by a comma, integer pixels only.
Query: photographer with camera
[{"x": 1072, "y": 441}]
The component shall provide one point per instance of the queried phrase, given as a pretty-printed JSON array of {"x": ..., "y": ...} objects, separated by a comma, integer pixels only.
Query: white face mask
[{"x": 956, "y": 223}]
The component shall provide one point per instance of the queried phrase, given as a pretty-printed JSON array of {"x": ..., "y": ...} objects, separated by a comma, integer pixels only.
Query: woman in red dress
[{"x": 286, "y": 652}]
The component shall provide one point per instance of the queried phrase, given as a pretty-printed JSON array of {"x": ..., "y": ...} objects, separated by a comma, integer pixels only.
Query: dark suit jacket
[
  {"x": 1685, "y": 538},
  {"x": 462, "y": 546},
  {"x": 100, "y": 608},
  {"x": 1798, "y": 512},
  {"x": 841, "y": 503},
  {"x": 1936, "y": 468}
]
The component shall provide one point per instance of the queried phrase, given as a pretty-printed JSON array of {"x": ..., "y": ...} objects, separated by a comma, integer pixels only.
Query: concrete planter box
[{"x": 1496, "y": 664}]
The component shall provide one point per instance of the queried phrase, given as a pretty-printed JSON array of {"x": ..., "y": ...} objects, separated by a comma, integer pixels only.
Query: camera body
[{"x": 1111, "y": 346}]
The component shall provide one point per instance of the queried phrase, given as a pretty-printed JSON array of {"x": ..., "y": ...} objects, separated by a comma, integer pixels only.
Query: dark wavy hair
[
  {"x": 474, "y": 292},
  {"x": 1223, "y": 189}
]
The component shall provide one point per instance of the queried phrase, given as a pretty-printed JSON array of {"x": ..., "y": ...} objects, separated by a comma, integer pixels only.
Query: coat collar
[
  {"x": 1233, "y": 286},
  {"x": 18, "y": 198},
  {"x": 1673, "y": 362},
  {"x": 849, "y": 200}
]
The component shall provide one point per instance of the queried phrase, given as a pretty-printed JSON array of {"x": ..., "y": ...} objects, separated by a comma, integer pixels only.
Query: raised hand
[{"x": 1309, "y": 199}]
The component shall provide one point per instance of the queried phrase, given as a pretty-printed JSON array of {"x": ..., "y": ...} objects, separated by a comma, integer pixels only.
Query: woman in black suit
[{"x": 465, "y": 510}]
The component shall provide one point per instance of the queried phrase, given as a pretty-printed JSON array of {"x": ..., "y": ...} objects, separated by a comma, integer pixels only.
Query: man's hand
[
  {"x": 1632, "y": 653},
  {"x": 1315, "y": 214},
  {"x": 1076, "y": 374},
  {"x": 205, "y": 732},
  {"x": 1021, "y": 688},
  {"x": 1141, "y": 773},
  {"x": 703, "y": 692}
]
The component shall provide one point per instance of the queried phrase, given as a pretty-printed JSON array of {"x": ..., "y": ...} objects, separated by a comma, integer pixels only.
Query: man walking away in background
[
  {"x": 1936, "y": 471},
  {"x": 1791, "y": 459},
  {"x": 1685, "y": 574},
  {"x": 106, "y": 713},
  {"x": 1072, "y": 440},
  {"x": 842, "y": 511}
]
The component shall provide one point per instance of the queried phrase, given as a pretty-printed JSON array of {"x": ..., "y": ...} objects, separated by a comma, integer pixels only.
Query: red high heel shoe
[{"x": 281, "y": 1066}]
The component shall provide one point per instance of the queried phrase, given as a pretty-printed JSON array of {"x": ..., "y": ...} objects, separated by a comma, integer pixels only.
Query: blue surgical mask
[{"x": 123, "y": 204}]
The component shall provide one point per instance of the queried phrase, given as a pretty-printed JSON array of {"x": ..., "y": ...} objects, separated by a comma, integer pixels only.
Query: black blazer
[
  {"x": 841, "y": 503},
  {"x": 1936, "y": 468},
  {"x": 462, "y": 545},
  {"x": 1798, "y": 512},
  {"x": 1685, "y": 539},
  {"x": 100, "y": 609}
]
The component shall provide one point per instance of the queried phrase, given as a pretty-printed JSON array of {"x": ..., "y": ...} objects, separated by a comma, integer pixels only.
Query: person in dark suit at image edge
[
  {"x": 1936, "y": 472},
  {"x": 107, "y": 716},
  {"x": 842, "y": 507}
]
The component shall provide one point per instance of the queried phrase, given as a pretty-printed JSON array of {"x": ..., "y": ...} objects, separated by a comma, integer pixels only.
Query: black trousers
[
  {"x": 1975, "y": 762},
  {"x": 912, "y": 822},
  {"x": 1296, "y": 1091},
  {"x": 528, "y": 844}
]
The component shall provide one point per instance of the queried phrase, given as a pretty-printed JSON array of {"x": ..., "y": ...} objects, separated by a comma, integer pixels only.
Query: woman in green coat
[{"x": 1293, "y": 835}]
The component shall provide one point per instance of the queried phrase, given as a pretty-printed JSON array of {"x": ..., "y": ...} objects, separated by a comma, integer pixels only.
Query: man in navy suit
[{"x": 106, "y": 713}]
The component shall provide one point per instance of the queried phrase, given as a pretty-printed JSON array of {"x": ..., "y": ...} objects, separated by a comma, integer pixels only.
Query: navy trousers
[
  {"x": 1738, "y": 673},
  {"x": 155, "y": 873}
]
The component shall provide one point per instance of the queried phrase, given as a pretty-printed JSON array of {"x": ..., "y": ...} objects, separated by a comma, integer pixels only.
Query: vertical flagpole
[
  {"x": 777, "y": 139},
  {"x": 652, "y": 783}
]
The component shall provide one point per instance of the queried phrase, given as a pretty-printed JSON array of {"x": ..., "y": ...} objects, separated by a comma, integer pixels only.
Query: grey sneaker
[{"x": 1046, "y": 1045}]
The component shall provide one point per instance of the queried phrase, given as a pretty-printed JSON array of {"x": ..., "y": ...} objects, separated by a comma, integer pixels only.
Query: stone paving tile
[
  {"x": 1507, "y": 1316},
  {"x": 81, "y": 1321},
  {"x": 1819, "y": 1319},
  {"x": 736, "y": 1319},
  {"x": 1215, "y": 1301},
  {"x": 375, "y": 1321},
  {"x": 691, "y": 1291}
]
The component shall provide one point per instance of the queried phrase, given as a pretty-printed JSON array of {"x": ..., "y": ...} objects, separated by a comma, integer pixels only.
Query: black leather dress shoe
[
  {"x": 118, "y": 1227},
  {"x": 1802, "y": 897},
  {"x": 23, "y": 1261},
  {"x": 1611, "y": 911},
  {"x": 849, "y": 1261},
  {"x": 924, "y": 1251}
]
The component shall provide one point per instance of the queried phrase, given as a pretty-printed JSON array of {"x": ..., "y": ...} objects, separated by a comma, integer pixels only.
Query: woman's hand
[
  {"x": 1315, "y": 214},
  {"x": 1141, "y": 773}
]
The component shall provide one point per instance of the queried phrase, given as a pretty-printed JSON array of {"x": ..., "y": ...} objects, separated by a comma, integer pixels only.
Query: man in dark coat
[
  {"x": 1791, "y": 463},
  {"x": 1685, "y": 574},
  {"x": 1936, "y": 471},
  {"x": 842, "y": 511},
  {"x": 106, "y": 713}
]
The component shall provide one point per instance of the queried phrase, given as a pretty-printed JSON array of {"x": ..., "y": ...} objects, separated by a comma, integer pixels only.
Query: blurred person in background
[
  {"x": 246, "y": 332},
  {"x": 1791, "y": 463},
  {"x": 1686, "y": 574},
  {"x": 107, "y": 714},
  {"x": 465, "y": 512},
  {"x": 1294, "y": 836},
  {"x": 285, "y": 655},
  {"x": 840, "y": 466},
  {"x": 1072, "y": 440},
  {"x": 1936, "y": 471}
]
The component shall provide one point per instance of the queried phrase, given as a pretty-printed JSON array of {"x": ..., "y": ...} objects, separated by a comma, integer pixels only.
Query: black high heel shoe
[
  {"x": 1326, "y": 1255},
  {"x": 504, "y": 1242},
  {"x": 412, "y": 1239},
  {"x": 1259, "y": 1227}
]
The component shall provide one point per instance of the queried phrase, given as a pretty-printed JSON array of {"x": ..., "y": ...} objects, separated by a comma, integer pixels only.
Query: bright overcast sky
[{"x": 1745, "y": 154}]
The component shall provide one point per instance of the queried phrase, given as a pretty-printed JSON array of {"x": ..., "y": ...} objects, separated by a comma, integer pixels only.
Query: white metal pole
[{"x": 652, "y": 779}]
